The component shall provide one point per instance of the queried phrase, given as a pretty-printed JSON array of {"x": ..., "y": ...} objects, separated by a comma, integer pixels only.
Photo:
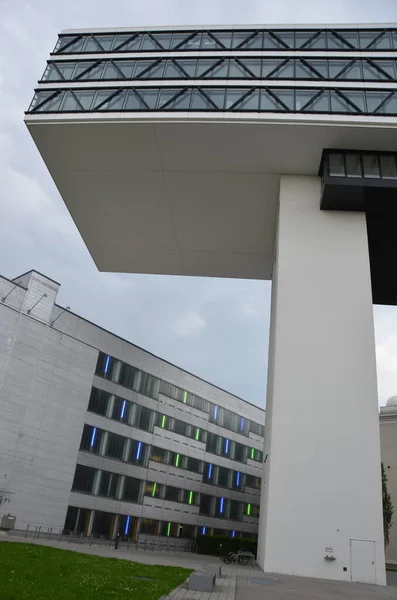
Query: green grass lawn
[{"x": 40, "y": 572}]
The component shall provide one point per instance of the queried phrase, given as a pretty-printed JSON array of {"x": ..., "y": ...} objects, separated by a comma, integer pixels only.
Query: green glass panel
[
  {"x": 209, "y": 43},
  {"x": 319, "y": 104},
  {"x": 110, "y": 72},
  {"x": 270, "y": 42},
  {"x": 126, "y": 67},
  {"x": 285, "y": 71},
  {"x": 172, "y": 71},
  {"x": 156, "y": 71},
  {"x": 233, "y": 95},
  {"x": 93, "y": 74},
  {"x": 114, "y": 103},
  {"x": 148, "y": 44},
  {"x": 224, "y": 37},
  {"x": 200, "y": 102},
  {"x": 188, "y": 65},
  {"x": 220, "y": 71},
  {"x": 66, "y": 69},
  {"x": 303, "y": 70},
  {"x": 317, "y": 42},
  {"x": 52, "y": 105},
  {"x": 374, "y": 99},
  {"x": 382, "y": 43},
  {"x": 253, "y": 42},
  {"x": 105, "y": 41},
  {"x": 253, "y": 64},
  {"x": 250, "y": 102},
  {"x": 164, "y": 39},
  {"x": 353, "y": 72},
  {"x": 348, "y": 37},
  {"x": 91, "y": 45}
]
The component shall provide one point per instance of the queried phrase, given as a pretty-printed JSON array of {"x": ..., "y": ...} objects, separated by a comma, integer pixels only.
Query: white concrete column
[{"x": 322, "y": 474}]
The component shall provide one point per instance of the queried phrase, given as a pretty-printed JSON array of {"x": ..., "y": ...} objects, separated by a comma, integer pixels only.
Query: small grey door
[{"x": 362, "y": 560}]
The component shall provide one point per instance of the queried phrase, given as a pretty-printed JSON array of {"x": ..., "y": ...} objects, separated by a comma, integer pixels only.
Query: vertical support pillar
[{"x": 322, "y": 474}]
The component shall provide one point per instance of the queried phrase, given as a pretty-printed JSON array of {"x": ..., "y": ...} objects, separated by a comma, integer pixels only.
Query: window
[
  {"x": 240, "y": 452},
  {"x": 371, "y": 166},
  {"x": 206, "y": 505},
  {"x": 109, "y": 483},
  {"x": 128, "y": 376},
  {"x": 224, "y": 477},
  {"x": 189, "y": 497},
  {"x": 353, "y": 165},
  {"x": 253, "y": 482},
  {"x": 172, "y": 493},
  {"x": 153, "y": 489},
  {"x": 132, "y": 489},
  {"x": 212, "y": 443},
  {"x": 84, "y": 479},
  {"x": 145, "y": 418},
  {"x": 159, "y": 455},
  {"x": 115, "y": 446},
  {"x": 193, "y": 464},
  {"x": 121, "y": 410},
  {"x": 336, "y": 165},
  {"x": 209, "y": 470},
  {"x": 235, "y": 510},
  {"x": 98, "y": 402},
  {"x": 91, "y": 439},
  {"x": 388, "y": 167},
  {"x": 149, "y": 526},
  {"x": 137, "y": 453}
]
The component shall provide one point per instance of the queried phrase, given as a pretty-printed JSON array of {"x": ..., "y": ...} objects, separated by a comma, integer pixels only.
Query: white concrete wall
[
  {"x": 323, "y": 485},
  {"x": 45, "y": 383}
]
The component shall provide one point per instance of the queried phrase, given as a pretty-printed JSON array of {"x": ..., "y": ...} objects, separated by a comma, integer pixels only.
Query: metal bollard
[
  {"x": 27, "y": 531},
  {"x": 117, "y": 541}
]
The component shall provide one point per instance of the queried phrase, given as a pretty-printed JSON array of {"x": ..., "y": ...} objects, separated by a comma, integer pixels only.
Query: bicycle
[{"x": 242, "y": 557}]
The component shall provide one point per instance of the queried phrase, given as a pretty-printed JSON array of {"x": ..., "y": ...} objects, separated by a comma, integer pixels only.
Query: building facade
[
  {"x": 388, "y": 445},
  {"x": 260, "y": 153},
  {"x": 100, "y": 437}
]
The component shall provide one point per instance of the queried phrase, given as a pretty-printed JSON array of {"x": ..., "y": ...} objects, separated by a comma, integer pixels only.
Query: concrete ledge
[
  {"x": 201, "y": 581},
  {"x": 213, "y": 568}
]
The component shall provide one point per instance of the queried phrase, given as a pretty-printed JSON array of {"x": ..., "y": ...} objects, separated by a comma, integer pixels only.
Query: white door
[{"x": 362, "y": 558}]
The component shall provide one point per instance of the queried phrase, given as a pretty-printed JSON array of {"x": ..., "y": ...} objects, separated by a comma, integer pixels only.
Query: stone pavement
[{"x": 237, "y": 582}]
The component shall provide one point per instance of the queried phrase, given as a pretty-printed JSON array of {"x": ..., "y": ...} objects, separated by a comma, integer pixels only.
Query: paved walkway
[{"x": 237, "y": 582}]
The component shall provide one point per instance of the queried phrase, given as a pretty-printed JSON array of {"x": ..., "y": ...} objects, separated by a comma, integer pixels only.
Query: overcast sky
[{"x": 217, "y": 329}]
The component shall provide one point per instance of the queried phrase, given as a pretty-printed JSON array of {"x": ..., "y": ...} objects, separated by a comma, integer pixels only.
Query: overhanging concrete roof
[{"x": 188, "y": 194}]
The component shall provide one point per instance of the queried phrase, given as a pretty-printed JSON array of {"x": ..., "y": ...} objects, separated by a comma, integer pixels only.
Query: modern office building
[
  {"x": 265, "y": 153},
  {"x": 101, "y": 437},
  {"x": 388, "y": 445}
]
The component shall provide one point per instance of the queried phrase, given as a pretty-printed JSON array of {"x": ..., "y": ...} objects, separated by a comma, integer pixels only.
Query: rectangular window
[
  {"x": 253, "y": 482},
  {"x": 189, "y": 497},
  {"x": 137, "y": 453},
  {"x": 172, "y": 494},
  {"x": 353, "y": 165},
  {"x": 108, "y": 485},
  {"x": 115, "y": 446},
  {"x": 153, "y": 489},
  {"x": 388, "y": 167},
  {"x": 235, "y": 510},
  {"x": 240, "y": 452},
  {"x": 212, "y": 443},
  {"x": 144, "y": 419},
  {"x": 224, "y": 477},
  {"x": 193, "y": 464},
  {"x": 98, "y": 403},
  {"x": 132, "y": 489},
  {"x": 91, "y": 439},
  {"x": 84, "y": 479},
  {"x": 159, "y": 455},
  {"x": 149, "y": 526},
  {"x": 371, "y": 166},
  {"x": 336, "y": 165},
  {"x": 121, "y": 410},
  {"x": 206, "y": 505}
]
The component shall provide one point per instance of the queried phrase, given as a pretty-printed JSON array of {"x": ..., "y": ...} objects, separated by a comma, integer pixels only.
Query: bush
[{"x": 220, "y": 545}]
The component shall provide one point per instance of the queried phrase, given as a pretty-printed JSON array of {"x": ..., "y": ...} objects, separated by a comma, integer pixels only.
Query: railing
[{"x": 143, "y": 544}]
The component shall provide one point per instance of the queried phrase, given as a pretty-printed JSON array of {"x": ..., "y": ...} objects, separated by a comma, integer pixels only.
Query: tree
[{"x": 387, "y": 507}]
